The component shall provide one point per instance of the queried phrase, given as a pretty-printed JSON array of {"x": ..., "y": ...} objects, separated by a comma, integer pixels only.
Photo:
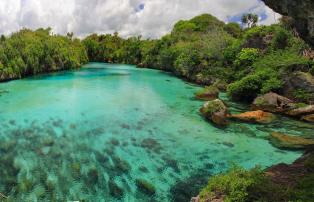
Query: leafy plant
[
  {"x": 246, "y": 57},
  {"x": 234, "y": 185}
]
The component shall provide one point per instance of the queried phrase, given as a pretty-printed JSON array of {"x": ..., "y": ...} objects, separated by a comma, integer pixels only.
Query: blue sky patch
[{"x": 140, "y": 7}]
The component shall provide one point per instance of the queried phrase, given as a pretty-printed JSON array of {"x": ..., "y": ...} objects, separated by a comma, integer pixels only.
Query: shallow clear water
[{"x": 91, "y": 134}]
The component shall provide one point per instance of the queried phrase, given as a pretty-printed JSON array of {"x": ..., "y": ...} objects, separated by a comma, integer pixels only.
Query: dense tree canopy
[
  {"x": 203, "y": 50},
  {"x": 206, "y": 50},
  {"x": 31, "y": 52}
]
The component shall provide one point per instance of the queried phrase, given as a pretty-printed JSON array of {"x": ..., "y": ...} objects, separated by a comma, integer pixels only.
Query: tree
[
  {"x": 234, "y": 29},
  {"x": 250, "y": 19}
]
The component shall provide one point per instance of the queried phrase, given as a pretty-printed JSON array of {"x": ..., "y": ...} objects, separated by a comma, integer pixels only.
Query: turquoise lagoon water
[{"x": 95, "y": 133}]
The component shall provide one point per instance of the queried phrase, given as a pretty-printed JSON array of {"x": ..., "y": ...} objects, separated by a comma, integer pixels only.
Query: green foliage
[
  {"x": 208, "y": 90},
  {"x": 30, "y": 52},
  {"x": 303, "y": 95},
  {"x": 250, "y": 86},
  {"x": 234, "y": 29},
  {"x": 204, "y": 49},
  {"x": 281, "y": 39},
  {"x": 246, "y": 57},
  {"x": 213, "y": 106},
  {"x": 240, "y": 185},
  {"x": 250, "y": 19},
  {"x": 184, "y": 26},
  {"x": 301, "y": 105},
  {"x": 206, "y": 22},
  {"x": 235, "y": 185}
]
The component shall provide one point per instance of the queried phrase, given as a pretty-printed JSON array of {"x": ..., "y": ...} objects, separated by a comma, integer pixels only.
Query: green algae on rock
[
  {"x": 308, "y": 118},
  {"x": 208, "y": 93},
  {"x": 272, "y": 102},
  {"x": 215, "y": 111},
  {"x": 284, "y": 141},
  {"x": 145, "y": 186},
  {"x": 301, "y": 111}
]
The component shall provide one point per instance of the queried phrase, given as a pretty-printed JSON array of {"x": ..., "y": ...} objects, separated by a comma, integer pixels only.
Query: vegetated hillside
[
  {"x": 279, "y": 183},
  {"x": 203, "y": 50},
  {"x": 301, "y": 11},
  {"x": 30, "y": 52}
]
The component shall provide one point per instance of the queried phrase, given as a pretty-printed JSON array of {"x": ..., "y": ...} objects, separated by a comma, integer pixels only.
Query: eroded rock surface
[
  {"x": 258, "y": 116},
  {"x": 301, "y": 11}
]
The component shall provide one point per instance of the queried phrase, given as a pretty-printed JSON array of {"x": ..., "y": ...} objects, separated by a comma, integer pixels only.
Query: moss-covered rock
[
  {"x": 301, "y": 111},
  {"x": 272, "y": 102},
  {"x": 115, "y": 190},
  {"x": 254, "y": 117},
  {"x": 299, "y": 86},
  {"x": 145, "y": 187},
  {"x": 308, "y": 118},
  {"x": 284, "y": 141},
  {"x": 208, "y": 93},
  {"x": 92, "y": 176},
  {"x": 215, "y": 111}
]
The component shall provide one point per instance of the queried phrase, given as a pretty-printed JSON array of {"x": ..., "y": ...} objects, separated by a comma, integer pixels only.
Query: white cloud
[{"x": 106, "y": 16}]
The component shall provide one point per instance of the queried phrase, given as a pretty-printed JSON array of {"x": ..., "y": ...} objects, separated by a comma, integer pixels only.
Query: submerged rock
[
  {"x": 284, "y": 141},
  {"x": 298, "y": 112},
  {"x": 308, "y": 118},
  {"x": 115, "y": 190},
  {"x": 151, "y": 144},
  {"x": 254, "y": 116},
  {"x": 208, "y": 93},
  {"x": 121, "y": 166},
  {"x": 184, "y": 189},
  {"x": 272, "y": 102},
  {"x": 145, "y": 187},
  {"x": 115, "y": 142},
  {"x": 215, "y": 111},
  {"x": 171, "y": 163},
  {"x": 93, "y": 176}
]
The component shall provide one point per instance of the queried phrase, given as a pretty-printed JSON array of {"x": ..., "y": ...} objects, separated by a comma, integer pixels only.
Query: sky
[{"x": 149, "y": 18}]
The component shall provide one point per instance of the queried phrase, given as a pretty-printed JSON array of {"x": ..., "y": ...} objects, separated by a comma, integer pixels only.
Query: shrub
[
  {"x": 246, "y": 57},
  {"x": 234, "y": 29},
  {"x": 302, "y": 95},
  {"x": 234, "y": 185},
  {"x": 250, "y": 86},
  {"x": 281, "y": 39}
]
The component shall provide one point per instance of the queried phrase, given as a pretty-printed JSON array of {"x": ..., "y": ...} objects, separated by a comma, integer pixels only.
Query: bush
[
  {"x": 302, "y": 95},
  {"x": 234, "y": 185},
  {"x": 234, "y": 29},
  {"x": 246, "y": 57},
  {"x": 250, "y": 86},
  {"x": 281, "y": 39}
]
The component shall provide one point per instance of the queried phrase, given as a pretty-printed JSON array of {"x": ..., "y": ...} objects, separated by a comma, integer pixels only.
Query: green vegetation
[
  {"x": 240, "y": 185},
  {"x": 303, "y": 95},
  {"x": 32, "y": 52},
  {"x": 235, "y": 185},
  {"x": 194, "y": 49},
  {"x": 208, "y": 93},
  {"x": 203, "y": 50},
  {"x": 250, "y": 19}
]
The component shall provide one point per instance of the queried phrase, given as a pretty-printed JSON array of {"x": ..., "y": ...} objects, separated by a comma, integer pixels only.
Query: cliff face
[{"x": 303, "y": 13}]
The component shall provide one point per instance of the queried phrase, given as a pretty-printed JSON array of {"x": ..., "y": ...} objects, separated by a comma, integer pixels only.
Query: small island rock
[{"x": 215, "y": 111}]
